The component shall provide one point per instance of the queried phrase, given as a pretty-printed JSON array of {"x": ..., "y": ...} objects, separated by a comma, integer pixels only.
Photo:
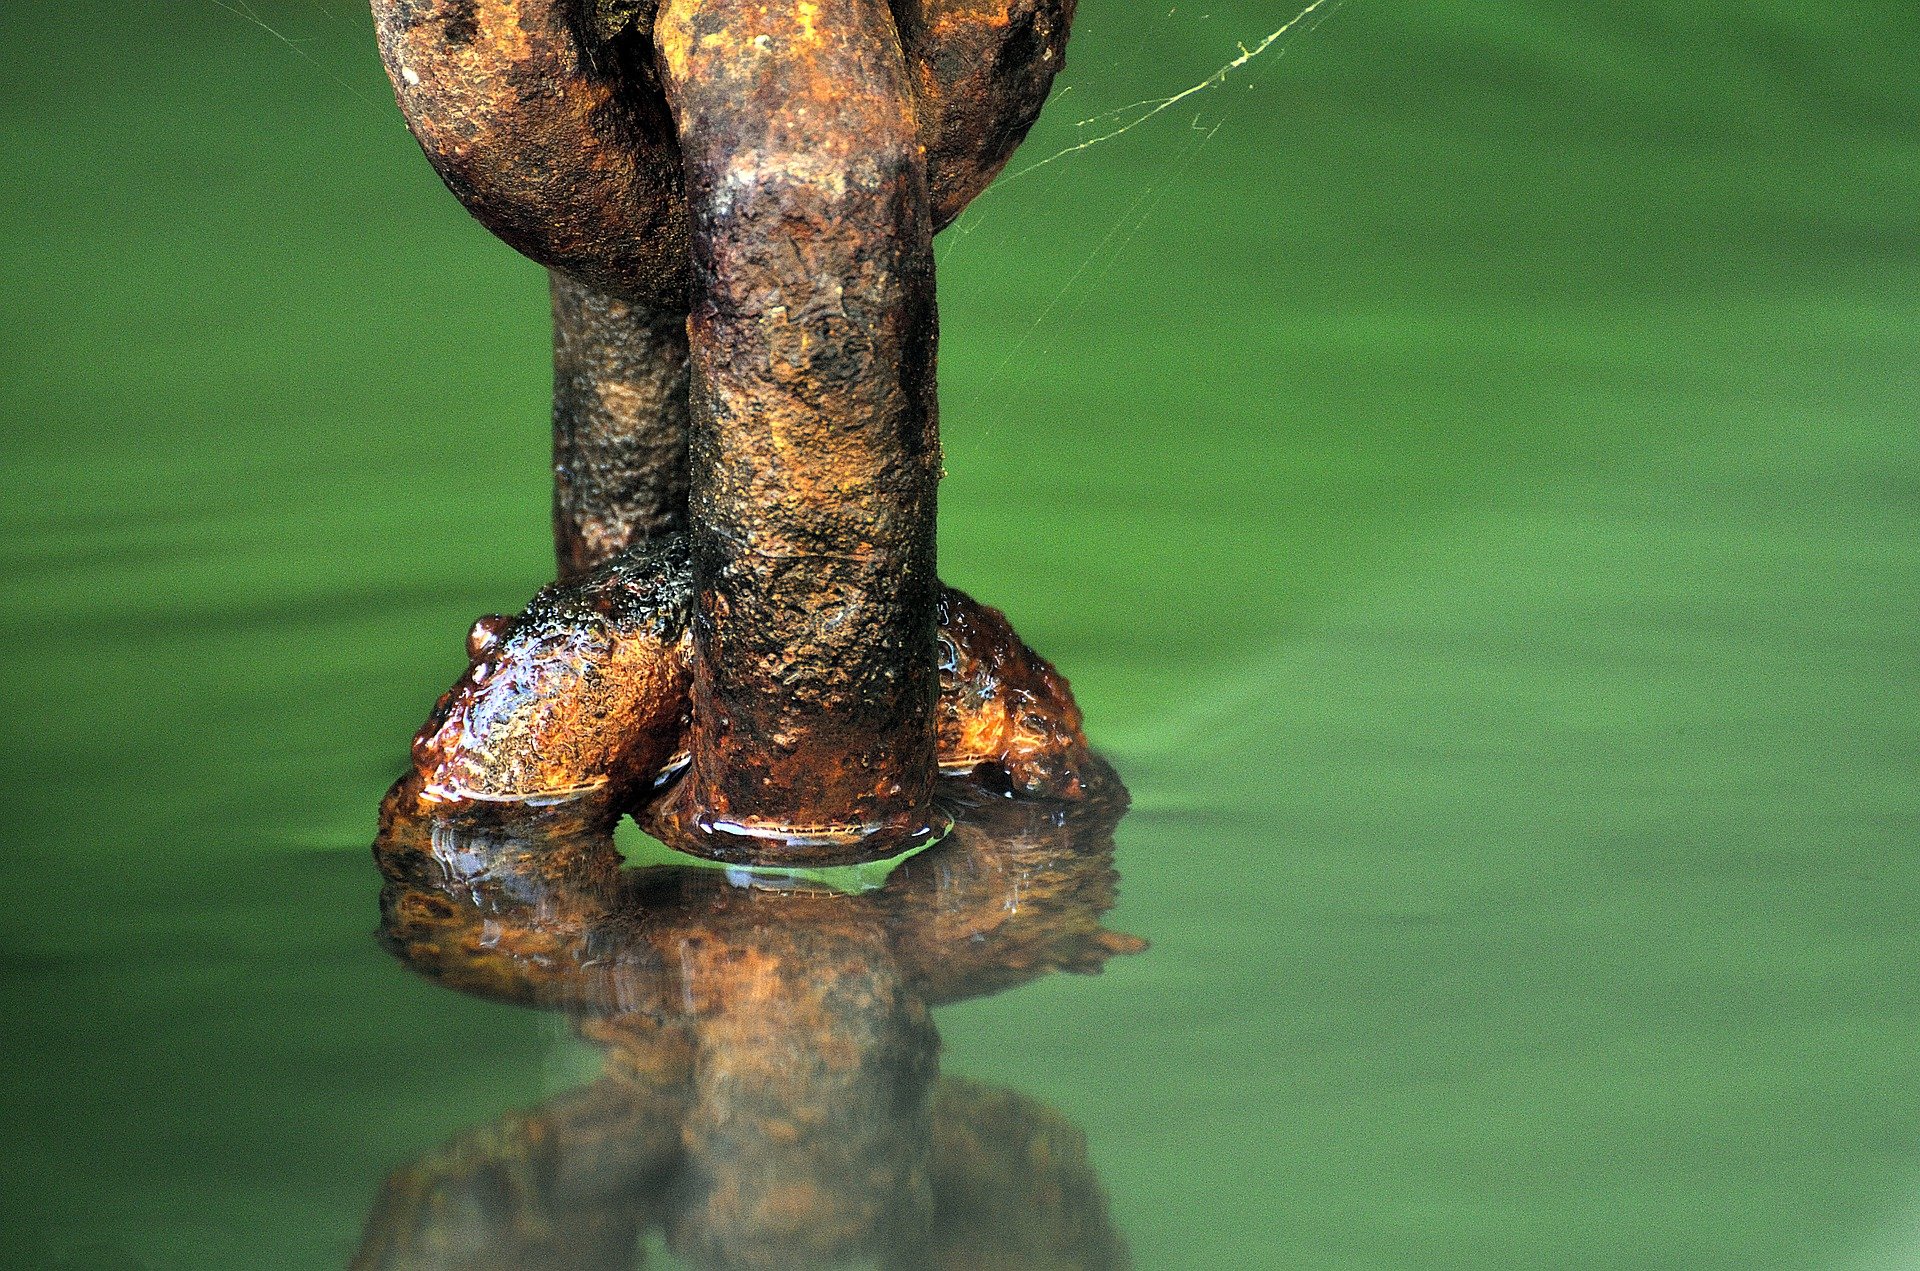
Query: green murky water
[{"x": 1475, "y": 491}]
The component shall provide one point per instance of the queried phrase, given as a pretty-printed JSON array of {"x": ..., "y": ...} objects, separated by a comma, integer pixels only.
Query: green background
[{"x": 1466, "y": 461}]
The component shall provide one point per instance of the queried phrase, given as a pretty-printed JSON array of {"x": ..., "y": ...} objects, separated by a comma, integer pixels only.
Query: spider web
[{"x": 1100, "y": 128}]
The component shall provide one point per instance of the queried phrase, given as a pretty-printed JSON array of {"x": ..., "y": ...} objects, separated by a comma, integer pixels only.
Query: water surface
[{"x": 1474, "y": 492}]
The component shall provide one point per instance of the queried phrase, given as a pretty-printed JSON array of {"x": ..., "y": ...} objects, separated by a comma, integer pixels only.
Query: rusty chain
[{"x": 736, "y": 200}]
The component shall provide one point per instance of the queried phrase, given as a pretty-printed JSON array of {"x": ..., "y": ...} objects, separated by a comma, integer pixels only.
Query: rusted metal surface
[
  {"x": 1006, "y": 718},
  {"x": 619, "y": 425},
  {"x": 770, "y": 1093},
  {"x": 816, "y": 453},
  {"x": 545, "y": 118},
  {"x": 588, "y": 689},
  {"x": 540, "y": 117},
  {"x": 584, "y": 692},
  {"x": 776, "y": 172},
  {"x": 981, "y": 71}
]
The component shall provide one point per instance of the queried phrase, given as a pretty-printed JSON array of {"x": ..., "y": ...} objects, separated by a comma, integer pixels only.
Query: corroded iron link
[
  {"x": 736, "y": 200},
  {"x": 815, "y": 451},
  {"x": 981, "y": 71},
  {"x": 540, "y": 120},
  {"x": 545, "y": 118},
  {"x": 619, "y": 425}
]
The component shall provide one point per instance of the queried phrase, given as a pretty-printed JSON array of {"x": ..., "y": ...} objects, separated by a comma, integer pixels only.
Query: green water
[{"x": 1474, "y": 490}]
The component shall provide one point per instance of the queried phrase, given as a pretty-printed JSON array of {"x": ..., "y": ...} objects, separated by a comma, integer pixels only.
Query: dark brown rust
[
  {"x": 544, "y": 118},
  {"x": 770, "y": 1094},
  {"x": 619, "y": 425},
  {"x": 815, "y": 453},
  {"x": 981, "y": 70},
  {"x": 551, "y": 137},
  {"x": 588, "y": 690}
]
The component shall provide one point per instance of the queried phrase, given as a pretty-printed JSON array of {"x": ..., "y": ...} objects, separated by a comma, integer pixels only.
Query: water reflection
[{"x": 770, "y": 1093}]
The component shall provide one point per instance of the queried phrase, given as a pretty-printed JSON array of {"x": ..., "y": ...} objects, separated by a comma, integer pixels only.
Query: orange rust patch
[{"x": 569, "y": 696}]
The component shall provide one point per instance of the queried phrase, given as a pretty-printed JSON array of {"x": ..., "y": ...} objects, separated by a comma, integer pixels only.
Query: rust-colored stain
[{"x": 749, "y": 645}]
